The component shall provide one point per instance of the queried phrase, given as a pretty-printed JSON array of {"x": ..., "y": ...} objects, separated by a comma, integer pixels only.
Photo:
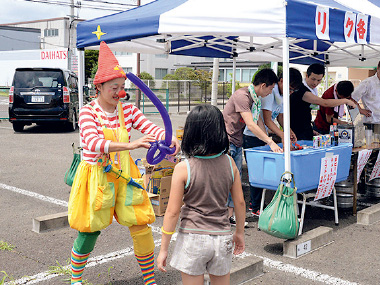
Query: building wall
[
  {"x": 360, "y": 73},
  {"x": 153, "y": 63},
  {"x": 19, "y": 38},
  {"x": 10, "y": 60},
  {"x": 50, "y": 39}
]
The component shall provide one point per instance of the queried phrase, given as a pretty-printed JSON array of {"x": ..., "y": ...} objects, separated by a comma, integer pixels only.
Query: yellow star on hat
[{"x": 98, "y": 32}]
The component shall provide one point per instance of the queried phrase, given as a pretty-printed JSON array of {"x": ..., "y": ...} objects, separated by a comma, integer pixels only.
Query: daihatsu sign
[
  {"x": 10, "y": 60},
  {"x": 54, "y": 54}
]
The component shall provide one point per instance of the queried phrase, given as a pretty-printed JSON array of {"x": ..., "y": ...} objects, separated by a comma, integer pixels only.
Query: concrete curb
[
  {"x": 308, "y": 242},
  {"x": 50, "y": 222},
  {"x": 369, "y": 215},
  {"x": 243, "y": 270}
]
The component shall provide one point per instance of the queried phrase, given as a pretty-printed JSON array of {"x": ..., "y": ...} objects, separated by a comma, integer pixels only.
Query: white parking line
[
  {"x": 34, "y": 195},
  {"x": 92, "y": 261},
  {"x": 278, "y": 265},
  {"x": 306, "y": 273}
]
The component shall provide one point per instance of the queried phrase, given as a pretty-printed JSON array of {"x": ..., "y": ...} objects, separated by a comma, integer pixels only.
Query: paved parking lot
[{"x": 32, "y": 168}]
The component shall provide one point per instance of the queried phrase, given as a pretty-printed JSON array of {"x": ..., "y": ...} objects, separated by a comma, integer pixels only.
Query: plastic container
[{"x": 266, "y": 167}]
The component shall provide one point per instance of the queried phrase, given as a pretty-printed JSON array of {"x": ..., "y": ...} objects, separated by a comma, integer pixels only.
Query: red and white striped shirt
[{"x": 91, "y": 133}]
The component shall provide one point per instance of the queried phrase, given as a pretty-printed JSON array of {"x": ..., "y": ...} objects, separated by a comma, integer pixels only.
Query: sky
[{"x": 21, "y": 10}]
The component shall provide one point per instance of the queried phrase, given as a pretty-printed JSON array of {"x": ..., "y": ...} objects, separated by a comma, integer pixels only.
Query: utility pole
[
  {"x": 70, "y": 46},
  {"x": 138, "y": 91}
]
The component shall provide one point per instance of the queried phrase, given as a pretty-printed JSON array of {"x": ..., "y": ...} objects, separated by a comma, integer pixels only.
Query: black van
[{"x": 40, "y": 95}]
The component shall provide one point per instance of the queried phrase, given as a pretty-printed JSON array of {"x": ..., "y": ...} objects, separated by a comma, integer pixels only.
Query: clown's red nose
[{"x": 122, "y": 94}]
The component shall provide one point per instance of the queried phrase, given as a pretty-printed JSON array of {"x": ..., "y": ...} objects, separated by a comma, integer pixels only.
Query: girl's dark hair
[{"x": 205, "y": 132}]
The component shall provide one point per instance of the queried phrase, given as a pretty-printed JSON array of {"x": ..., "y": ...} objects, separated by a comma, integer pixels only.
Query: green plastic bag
[
  {"x": 279, "y": 218},
  {"x": 70, "y": 173}
]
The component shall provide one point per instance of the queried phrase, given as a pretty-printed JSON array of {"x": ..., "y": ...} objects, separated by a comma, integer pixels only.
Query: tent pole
[
  {"x": 285, "y": 58},
  {"x": 233, "y": 74},
  {"x": 138, "y": 91},
  {"x": 214, "y": 88},
  {"x": 80, "y": 76}
]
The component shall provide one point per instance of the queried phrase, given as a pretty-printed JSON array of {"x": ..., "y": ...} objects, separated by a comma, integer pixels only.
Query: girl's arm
[
  {"x": 177, "y": 189},
  {"x": 238, "y": 199}
]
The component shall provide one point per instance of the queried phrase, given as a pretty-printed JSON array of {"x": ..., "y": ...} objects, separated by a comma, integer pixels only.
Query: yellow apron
[{"x": 97, "y": 196}]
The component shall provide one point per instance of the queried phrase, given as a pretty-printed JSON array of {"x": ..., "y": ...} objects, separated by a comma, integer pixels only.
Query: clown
[{"x": 96, "y": 197}]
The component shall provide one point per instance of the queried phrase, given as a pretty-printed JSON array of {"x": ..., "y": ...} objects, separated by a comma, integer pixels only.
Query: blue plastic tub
[{"x": 266, "y": 167}]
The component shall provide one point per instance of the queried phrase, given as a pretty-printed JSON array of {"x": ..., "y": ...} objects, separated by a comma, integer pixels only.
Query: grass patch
[
  {"x": 6, "y": 246},
  {"x": 5, "y": 277},
  {"x": 66, "y": 271},
  {"x": 5, "y": 94}
]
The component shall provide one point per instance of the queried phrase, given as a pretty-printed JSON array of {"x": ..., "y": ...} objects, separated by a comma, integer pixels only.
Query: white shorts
[{"x": 195, "y": 254}]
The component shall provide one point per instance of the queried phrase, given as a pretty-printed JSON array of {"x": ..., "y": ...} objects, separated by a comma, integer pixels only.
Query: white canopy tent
[{"x": 333, "y": 32}]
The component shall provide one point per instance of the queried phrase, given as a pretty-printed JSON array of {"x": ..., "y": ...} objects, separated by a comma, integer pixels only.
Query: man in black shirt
[{"x": 300, "y": 101}]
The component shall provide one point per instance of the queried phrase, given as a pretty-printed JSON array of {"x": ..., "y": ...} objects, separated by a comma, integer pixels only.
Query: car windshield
[{"x": 38, "y": 78}]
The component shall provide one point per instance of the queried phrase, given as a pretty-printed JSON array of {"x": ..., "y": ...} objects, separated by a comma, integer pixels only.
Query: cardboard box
[
  {"x": 160, "y": 201},
  {"x": 154, "y": 173}
]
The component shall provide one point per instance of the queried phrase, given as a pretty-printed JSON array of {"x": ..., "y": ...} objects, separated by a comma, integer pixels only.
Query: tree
[
  {"x": 267, "y": 65},
  {"x": 202, "y": 78},
  {"x": 90, "y": 63},
  {"x": 182, "y": 73},
  {"x": 145, "y": 76}
]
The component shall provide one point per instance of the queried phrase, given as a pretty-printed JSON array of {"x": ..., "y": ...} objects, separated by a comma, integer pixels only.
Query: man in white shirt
[{"x": 369, "y": 92}]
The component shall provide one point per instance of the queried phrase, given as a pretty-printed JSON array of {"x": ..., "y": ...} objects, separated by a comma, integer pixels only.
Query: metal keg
[
  {"x": 345, "y": 190},
  {"x": 345, "y": 200},
  {"x": 372, "y": 187}
]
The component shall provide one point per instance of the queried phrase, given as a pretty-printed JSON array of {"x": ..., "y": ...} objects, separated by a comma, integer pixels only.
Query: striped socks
[
  {"x": 146, "y": 263},
  {"x": 78, "y": 262}
]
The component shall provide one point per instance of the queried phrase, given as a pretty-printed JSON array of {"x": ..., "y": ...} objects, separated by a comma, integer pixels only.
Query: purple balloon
[{"x": 162, "y": 145}]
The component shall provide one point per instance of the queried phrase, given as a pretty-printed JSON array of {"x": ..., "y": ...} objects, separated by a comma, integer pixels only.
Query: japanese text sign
[
  {"x": 376, "y": 169},
  {"x": 350, "y": 27},
  {"x": 361, "y": 28},
  {"x": 322, "y": 23},
  {"x": 327, "y": 176},
  {"x": 362, "y": 161}
]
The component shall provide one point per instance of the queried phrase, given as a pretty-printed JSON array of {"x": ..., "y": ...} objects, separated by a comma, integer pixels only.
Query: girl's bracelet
[{"x": 165, "y": 232}]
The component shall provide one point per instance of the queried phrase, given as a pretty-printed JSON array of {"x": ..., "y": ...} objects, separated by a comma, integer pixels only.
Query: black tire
[
  {"x": 72, "y": 125},
  {"x": 18, "y": 127}
]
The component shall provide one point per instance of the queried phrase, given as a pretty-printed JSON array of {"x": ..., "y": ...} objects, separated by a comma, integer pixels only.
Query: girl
[
  {"x": 202, "y": 183},
  {"x": 96, "y": 197}
]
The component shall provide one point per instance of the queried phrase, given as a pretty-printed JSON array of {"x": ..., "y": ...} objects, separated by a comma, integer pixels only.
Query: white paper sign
[
  {"x": 376, "y": 169},
  {"x": 303, "y": 248},
  {"x": 361, "y": 28},
  {"x": 349, "y": 27},
  {"x": 362, "y": 161},
  {"x": 322, "y": 23},
  {"x": 327, "y": 176}
]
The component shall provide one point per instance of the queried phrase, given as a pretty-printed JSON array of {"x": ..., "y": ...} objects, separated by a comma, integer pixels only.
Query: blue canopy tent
[{"x": 300, "y": 31}]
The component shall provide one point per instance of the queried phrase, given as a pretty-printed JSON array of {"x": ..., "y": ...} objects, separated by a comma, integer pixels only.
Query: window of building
[
  {"x": 221, "y": 75},
  {"x": 51, "y": 32},
  {"x": 161, "y": 55},
  {"x": 122, "y": 53},
  {"x": 127, "y": 69},
  {"x": 160, "y": 73},
  {"x": 229, "y": 74},
  {"x": 247, "y": 74}
]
